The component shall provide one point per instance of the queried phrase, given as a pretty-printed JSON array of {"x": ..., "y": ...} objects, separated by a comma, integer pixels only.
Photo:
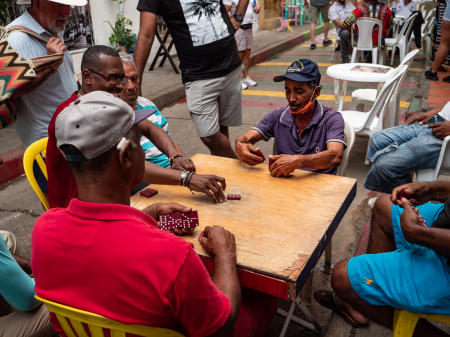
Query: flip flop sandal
[
  {"x": 447, "y": 79},
  {"x": 327, "y": 299}
]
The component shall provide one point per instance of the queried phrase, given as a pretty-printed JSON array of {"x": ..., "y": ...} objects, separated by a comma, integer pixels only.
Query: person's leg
[
  {"x": 34, "y": 323},
  {"x": 245, "y": 55},
  {"x": 393, "y": 165},
  {"x": 441, "y": 53},
  {"x": 381, "y": 237},
  {"x": 326, "y": 25},
  {"x": 345, "y": 44},
  {"x": 313, "y": 15},
  {"x": 203, "y": 103}
]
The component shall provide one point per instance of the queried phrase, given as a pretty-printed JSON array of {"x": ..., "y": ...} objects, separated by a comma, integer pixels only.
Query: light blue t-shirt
[
  {"x": 35, "y": 108},
  {"x": 16, "y": 287},
  {"x": 152, "y": 153}
]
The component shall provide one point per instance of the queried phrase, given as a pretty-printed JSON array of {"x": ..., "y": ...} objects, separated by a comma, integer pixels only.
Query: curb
[{"x": 11, "y": 165}]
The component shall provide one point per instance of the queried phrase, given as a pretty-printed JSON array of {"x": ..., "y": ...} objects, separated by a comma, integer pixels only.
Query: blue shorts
[{"x": 413, "y": 277}]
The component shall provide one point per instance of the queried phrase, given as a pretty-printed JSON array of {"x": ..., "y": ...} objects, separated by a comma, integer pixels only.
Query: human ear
[
  {"x": 317, "y": 92},
  {"x": 124, "y": 154}
]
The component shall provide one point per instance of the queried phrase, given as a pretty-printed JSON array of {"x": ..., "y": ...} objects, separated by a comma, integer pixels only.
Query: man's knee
[
  {"x": 381, "y": 213},
  {"x": 339, "y": 278},
  {"x": 344, "y": 34}
]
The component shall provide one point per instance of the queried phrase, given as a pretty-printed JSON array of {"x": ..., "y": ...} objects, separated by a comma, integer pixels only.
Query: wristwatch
[{"x": 238, "y": 17}]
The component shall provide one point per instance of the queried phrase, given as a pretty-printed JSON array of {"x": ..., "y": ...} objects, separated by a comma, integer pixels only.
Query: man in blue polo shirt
[{"x": 307, "y": 134}]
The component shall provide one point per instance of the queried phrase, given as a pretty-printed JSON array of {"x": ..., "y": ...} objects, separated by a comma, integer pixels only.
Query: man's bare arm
[
  {"x": 147, "y": 28},
  {"x": 339, "y": 23},
  {"x": 158, "y": 137}
]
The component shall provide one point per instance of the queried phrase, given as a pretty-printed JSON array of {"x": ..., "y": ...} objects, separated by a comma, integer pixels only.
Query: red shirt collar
[{"x": 99, "y": 211}]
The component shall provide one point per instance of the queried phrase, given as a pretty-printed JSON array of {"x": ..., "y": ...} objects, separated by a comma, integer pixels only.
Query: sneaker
[
  {"x": 244, "y": 86},
  {"x": 327, "y": 42},
  {"x": 431, "y": 76},
  {"x": 312, "y": 46},
  {"x": 249, "y": 82}
]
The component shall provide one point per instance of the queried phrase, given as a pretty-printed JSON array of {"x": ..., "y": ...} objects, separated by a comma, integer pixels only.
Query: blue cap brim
[
  {"x": 294, "y": 77},
  {"x": 140, "y": 115}
]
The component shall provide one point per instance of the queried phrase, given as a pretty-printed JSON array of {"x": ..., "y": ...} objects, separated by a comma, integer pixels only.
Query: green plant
[
  {"x": 122, "y": 37},
  {"x": 4, "y": 4}
]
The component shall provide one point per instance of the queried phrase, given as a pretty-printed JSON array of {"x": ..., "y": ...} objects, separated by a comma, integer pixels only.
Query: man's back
[{"x": 112, "y": 259}]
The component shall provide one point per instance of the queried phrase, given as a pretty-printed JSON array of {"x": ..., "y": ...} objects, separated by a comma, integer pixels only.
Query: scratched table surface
[{"x": 281, "y": 225}]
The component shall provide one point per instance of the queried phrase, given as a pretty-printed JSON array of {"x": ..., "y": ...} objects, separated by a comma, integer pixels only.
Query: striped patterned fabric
[{"x": 15, "y": 72}]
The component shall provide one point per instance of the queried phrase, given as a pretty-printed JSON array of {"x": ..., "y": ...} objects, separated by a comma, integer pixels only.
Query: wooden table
[{"x": 281, "y": 225}]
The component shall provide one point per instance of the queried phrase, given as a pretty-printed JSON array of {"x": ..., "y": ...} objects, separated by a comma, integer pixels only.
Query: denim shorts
[{"x": 413, "y": 277}]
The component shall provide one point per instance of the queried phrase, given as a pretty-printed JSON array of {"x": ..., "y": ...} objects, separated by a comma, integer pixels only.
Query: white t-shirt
[
  {"x": 445, "y": 112},
  {"x": 248, "y": 18},
  {"x": 405, "y": 11}
]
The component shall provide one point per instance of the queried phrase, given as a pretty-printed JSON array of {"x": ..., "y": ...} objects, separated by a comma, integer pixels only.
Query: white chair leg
[
  {"x": 392, "y": 54},
  {"x": 374, "y": 56},
  {"x": 354, "y": 55}
]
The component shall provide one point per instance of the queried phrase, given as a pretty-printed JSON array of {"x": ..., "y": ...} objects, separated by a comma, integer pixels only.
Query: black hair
[{"x": 91, "y": 56}]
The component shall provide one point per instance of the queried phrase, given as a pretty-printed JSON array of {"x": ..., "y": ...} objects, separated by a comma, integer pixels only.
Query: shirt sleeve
[
  {"x": 332, "y": 13},
  {"x": 335, "y": 129},
  {"x": 16, "y": 287},
  {"x": 152, "y": 6},
  {"x": 266, "y": 127},
  {"x": 21, "y": 42},
  {"x": 196, "y": 303},
  {"x": 227, "y": 2}
]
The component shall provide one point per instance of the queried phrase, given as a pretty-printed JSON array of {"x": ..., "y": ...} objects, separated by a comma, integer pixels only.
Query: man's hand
[
  {"x": 417, "y": 193},
  {"x": 158, "y": 209},
  {"x": 235, "y": 24},
  {"x": 440, "y": 129},
  {"x": 217, "y": 241},
  {"x": 244, "y": 151},
  {"x": 256, "y": 9},
  {"x": 55, "y": 45},
  {"x": 183, "y": 163},
  {"x": 409, "y": 220},
  {"x": 212, "y": 185},
  {"x": 421, "y": 118},
  {"x": 283, "y": 165}
]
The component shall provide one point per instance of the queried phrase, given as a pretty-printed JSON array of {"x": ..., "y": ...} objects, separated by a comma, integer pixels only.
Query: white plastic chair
[
  {"x": 367, "y": 123},
  {"x": 442, "y": 166},
  {"x": 402, "y": 41},
  {"x": 338, "y": 40},
  {"x": 365, "y": 29},
  {"x": 427, "y": 33},
  {"x": 349, "y": 137},
  {"x": 361, "y": 97}
]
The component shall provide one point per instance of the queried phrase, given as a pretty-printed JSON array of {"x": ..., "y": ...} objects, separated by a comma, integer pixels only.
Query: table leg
[
  {"x": 343, "y": 92},
  {"x": 311, "y": 324},
  {"x": 336, "y": 93}
]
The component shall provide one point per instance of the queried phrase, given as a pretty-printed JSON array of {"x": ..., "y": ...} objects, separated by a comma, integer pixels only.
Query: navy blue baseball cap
[{"x": 302, "y": 70}]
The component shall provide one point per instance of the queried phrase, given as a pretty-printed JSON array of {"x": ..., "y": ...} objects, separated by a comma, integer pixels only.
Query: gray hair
[{"x": 126, "y": 58}]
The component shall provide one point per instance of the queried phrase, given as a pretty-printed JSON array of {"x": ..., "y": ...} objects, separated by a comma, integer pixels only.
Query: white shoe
[
  {"x": 249, "y": 82},
  {"x": 244, "y": 86}
]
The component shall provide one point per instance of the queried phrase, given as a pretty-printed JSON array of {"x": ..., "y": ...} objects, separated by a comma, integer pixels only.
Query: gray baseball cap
[{"x": 94, "y": 123}]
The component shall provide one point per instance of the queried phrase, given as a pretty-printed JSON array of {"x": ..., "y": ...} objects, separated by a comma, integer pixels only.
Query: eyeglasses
[{"x": 118, "y": 79}]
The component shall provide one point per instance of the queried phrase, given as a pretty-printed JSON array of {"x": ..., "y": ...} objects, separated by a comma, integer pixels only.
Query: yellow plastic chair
[
  {"x": 36, "y": 152},
  {"x": 405, "y": 322},
  {"x": 73, "y": 321}
]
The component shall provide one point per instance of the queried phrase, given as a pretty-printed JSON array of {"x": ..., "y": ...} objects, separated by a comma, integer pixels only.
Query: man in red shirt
[
  {"x": 102, "y": 69},
  {"x": 103, "y": 256}
]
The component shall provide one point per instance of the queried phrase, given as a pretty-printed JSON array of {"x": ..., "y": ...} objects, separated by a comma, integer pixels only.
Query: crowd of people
[{"x": 105, "y": 141}]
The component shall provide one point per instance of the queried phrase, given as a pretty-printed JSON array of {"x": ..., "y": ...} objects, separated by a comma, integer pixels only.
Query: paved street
[{"x": 19, "y": 207}]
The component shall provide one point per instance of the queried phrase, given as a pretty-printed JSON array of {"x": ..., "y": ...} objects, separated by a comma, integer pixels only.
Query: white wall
[{"x": 103, "y": 11}]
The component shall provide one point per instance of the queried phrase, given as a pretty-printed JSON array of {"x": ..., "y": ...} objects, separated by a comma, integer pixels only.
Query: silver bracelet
[{"x": 183, "y": 177}]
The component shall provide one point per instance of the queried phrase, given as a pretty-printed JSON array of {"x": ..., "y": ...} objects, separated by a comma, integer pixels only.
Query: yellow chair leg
[{"x": 404, "y": 323}]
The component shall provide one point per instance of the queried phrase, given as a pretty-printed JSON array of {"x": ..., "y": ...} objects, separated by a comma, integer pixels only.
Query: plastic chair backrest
[
  {"x": 365, "y": 29},
  {"x": 405, "y": 322},
  {"x": 428, "y": 25},
  {"x": 383, "y": 99},
  {"x": 36, "y": 152},
  {"x": 349, "y": 137},
  {"x": 73, "y": 321},
  {"x": 407, "y": 27}
]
